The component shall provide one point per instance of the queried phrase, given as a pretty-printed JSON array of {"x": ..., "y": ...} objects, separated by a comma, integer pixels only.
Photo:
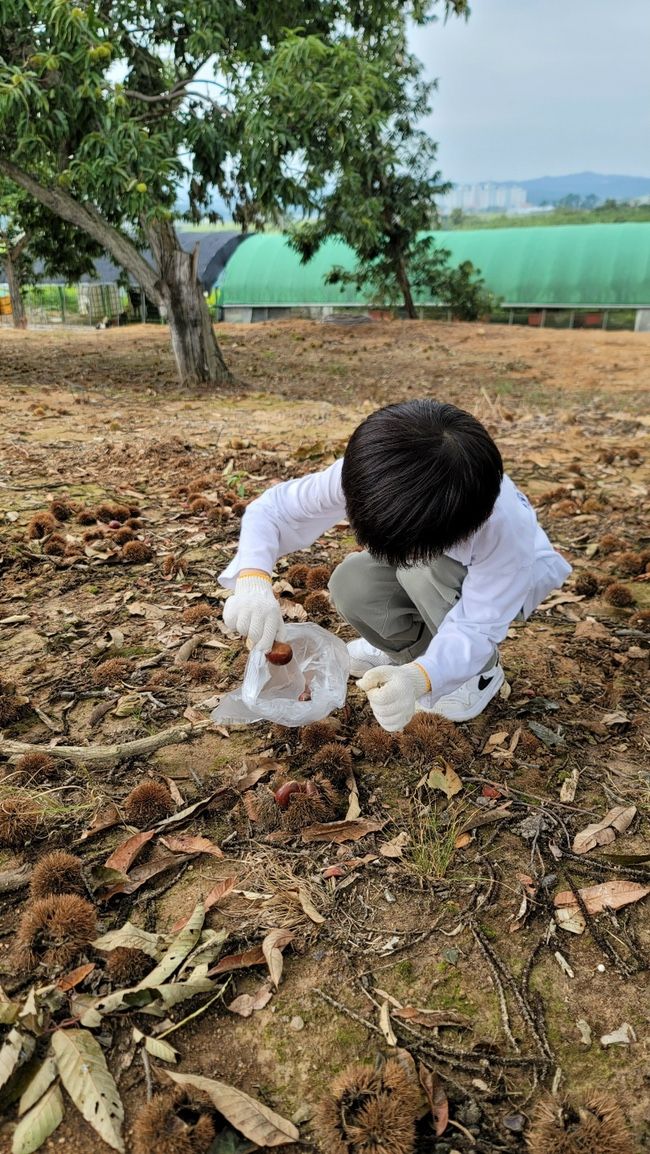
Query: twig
[
  {"x": 147, "y": 1073},
  {"x": 620, "y": 964},
  {"x": 524, "y": 1009},
  {"x": 98, "y": 753},
  {"x": 196, "y": 1013},
  {"x": 496, "y": 977},
  {"x": 458, "y": 1126}
]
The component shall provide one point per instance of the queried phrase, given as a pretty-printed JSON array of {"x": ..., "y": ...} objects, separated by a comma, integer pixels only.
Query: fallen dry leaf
[
  {"x": 171, "y": 784},
  {"x": 437, "y": 1098},
  {"x": 253, "y": 1119},
  {"x": 252, "y": 957},
  {"x": 395, "y": 847},
  {"x": 624, "y": 1036},
  {"x": 309, "y": 908},
  {"x": 75, "y": 977},
  {"x": 385, "y": 1026},
  {"x": 591, "y": 630},
  {"x": 432, "y": 1019},
  {"x": 346, "y": 867},
  {"x": 570, "y": 785},
  {"x": 444, "y": 778},
  {"x": 272, "y": 947},
  {"x": 141, "y": 874},
  {"x": 126, "y": 853},
  {"x": 604, "y": 832},
  {"x": 354, "y": 805},
  {"x": 246, "y": 1004},
  {"x": 191, "y": 843},
  {"x": 483, "y": 817},
  {"x": 219, "y": 891},
  {"x": 611, "y": 895},
  {"x": 340, "y": 831},
  {"x": 103, "y": 819}
]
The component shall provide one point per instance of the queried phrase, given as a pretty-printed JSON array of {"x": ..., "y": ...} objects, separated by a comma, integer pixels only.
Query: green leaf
[
  {"x": 17, "y": 1049},
  {"x": 178, "y": 950},
  {"x": 90, "y": 1084},
  {"x": 43, "y": 1078},
  {"x": 41, "y": 1121}
]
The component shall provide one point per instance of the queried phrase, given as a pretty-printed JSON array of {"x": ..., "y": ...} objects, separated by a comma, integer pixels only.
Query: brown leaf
[
  {"x": 173, "y": 788},
  {"x": 435, "y": 1092},
  {"x": 75, "y": 977},
  {"x": 432, "y": 1018},
  {"x": 144, "y": 873},
  {"x": 591, "y": 630},
  {"x": 340, "y": 831},
  {"x": 197, "y": 807},
  {"x": 252, "y": 957},
  {"x": 463, "y": 840},
  {"x": 481, "y": 817},
  {"x": 607, "y": 895},
  {"x": 395, "y": 847},
  {"x": 309, "y": 908},
  {"x": 339, "y": 871},
  {"x": 246, "y": 1004},
  {"x": 444, "y": 778},
  {"x": 191, "y": 843},
  {"x": 221, "y": 890},
  {"x": 103, "y": 819},
  {"x": 126, "y": 853},
  {"x": 253, "y": 1119},
  {"x": 252, "y": 776},
  {"x": 604, "y": 832},
  {"x": 272, "y": 947}
]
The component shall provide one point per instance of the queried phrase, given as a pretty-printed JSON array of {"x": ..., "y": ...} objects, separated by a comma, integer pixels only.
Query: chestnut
[
  {"x": 280, "y": 653},
  {"x": 285, "y": 791},
  {"x": 306, "y": 694}
]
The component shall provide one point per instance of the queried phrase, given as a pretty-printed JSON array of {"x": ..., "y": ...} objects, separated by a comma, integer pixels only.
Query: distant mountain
[{"x": 550, "y": 189}]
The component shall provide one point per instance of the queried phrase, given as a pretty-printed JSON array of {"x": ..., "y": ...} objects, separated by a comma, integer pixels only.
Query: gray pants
[{"x": 397, "y": 610}]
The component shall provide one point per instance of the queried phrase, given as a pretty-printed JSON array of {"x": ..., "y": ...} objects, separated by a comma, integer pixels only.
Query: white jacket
[{"x": 511, "y": 566}]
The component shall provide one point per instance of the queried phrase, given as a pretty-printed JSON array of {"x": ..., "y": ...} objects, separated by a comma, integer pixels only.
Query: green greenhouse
[{"x": 570, "y": 269}]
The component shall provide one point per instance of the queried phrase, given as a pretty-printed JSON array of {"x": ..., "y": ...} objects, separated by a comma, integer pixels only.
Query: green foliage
[{"x": 355, "y": 160}]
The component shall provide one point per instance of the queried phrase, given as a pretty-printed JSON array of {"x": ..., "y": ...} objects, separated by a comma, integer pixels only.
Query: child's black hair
[{"x": 418, "y": 477}]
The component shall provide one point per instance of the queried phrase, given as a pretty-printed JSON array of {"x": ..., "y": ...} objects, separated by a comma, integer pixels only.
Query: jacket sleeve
[
  {"x": 499, "y": 578},
  {"x": 289, "y": 516}
]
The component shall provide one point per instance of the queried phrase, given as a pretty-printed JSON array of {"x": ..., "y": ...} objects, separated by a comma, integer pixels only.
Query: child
[{"x": 452, "y": 555}]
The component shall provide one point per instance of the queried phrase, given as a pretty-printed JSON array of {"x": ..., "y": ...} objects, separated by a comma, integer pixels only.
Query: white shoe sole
[{"x": 454, "y": 711}]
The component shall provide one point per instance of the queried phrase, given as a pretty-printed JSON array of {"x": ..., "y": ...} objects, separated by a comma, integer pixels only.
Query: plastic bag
[{"x": 270, "y": 692}]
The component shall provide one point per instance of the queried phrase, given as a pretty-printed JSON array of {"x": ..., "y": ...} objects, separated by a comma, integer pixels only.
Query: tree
[
  {"x": 107, "y": 108},
  {"x": 369, "y": 171},
  {"x": 30, "y": 234}
]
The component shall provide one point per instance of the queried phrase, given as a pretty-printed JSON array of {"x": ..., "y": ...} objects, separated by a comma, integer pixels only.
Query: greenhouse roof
[{"x": 565, "y": 266}]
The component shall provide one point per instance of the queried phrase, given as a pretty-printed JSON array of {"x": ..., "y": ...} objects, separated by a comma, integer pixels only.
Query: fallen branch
[
  {"x": 187, "y": 648},
  {"x": 96, "y": 753}
]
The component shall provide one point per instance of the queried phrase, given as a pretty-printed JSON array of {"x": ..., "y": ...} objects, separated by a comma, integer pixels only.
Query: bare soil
[{"x": 92, "y": 417}]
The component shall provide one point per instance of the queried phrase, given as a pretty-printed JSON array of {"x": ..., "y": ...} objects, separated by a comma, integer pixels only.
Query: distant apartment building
[{"x": 484, "y": 197}]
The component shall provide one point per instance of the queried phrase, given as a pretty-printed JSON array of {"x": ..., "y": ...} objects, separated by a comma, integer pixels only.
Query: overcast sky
[{"x": 541, "y": 87}]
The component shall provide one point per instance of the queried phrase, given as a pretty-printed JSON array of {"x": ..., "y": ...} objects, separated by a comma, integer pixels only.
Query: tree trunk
[
  {"x": 405, "y": 289},
  {"x": 173, "y": 285},
  {"x": 13, "y": 280},
  {"x": 197, "y": 353}
]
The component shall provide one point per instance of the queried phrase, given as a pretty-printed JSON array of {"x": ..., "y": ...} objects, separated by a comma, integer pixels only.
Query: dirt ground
[{"x": 449, "y": 905}]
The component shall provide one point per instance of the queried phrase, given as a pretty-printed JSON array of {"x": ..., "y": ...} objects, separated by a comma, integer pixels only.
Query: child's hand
[
  {"x": 393, "y": 691},
  {"x": 253, "y": 611}
]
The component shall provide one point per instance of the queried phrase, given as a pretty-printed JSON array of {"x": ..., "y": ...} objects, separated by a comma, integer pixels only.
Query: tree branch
[{"x": 87, "y": 218}]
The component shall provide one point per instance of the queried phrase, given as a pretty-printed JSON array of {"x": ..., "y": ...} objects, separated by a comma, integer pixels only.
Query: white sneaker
[
  {"x": 471, "y": 698},
  {"x": 364, "y": 656}
]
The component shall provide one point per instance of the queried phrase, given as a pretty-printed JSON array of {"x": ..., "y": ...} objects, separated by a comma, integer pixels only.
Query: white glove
[
  {"x": 393, "y": 691},
  {"x": 253, "y": 612}
]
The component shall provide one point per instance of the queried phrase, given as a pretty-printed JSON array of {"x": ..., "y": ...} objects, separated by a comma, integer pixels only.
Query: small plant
[
  {"x": 147, "y": 803},
  {"x": 433, "y": 841}
]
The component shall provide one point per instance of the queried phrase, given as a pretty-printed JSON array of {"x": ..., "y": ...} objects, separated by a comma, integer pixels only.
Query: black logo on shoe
[{"x": 483, "y": 683}]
